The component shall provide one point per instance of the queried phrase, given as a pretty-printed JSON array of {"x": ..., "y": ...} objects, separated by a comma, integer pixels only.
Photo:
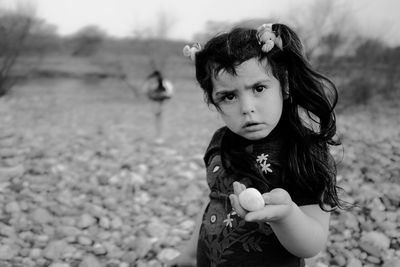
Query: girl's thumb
[{"x": 276, "y": 196}]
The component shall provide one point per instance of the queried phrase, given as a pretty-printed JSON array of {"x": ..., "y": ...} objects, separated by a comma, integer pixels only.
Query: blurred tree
[
  {"x": 43, "y": 39},
  {"x": 335, "y": 33},
  {"x": 211, "y": 28},
  {"x": 87, "y": 40},
  {"x": 15, "y": 27},
  {"x": 372, "y": 71},
  {"x": 154, "y": 40},
  {"x": 370, "y": 51},
  {"x": 392, "y": 58},
  {"x": 330, "y": 43}
]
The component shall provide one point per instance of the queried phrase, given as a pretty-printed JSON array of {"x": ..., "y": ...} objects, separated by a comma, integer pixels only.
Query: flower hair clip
[
  {"x": 267, "y": 38},
  {"x": 191, "y": 51}
]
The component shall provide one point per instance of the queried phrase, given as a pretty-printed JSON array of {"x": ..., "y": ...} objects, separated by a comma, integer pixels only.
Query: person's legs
[{"x": 159, "y": 123}]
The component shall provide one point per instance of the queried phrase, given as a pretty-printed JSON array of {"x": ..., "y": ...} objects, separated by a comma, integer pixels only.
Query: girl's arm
[{"x": 303, "y": 231}]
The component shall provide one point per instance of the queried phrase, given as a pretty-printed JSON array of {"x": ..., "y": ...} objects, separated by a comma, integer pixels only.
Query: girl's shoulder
[{"x": 215, "y": 144}]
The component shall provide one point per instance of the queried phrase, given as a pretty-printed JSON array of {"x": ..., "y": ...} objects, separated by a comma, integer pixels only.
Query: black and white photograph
[{"x": 209, "y": 133}]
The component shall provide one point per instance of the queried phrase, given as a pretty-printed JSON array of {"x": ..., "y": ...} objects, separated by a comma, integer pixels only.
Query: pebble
[
  {"x": 99, "y": 249},
  {"x": 90, "y": 261},
  {"x": 8, "y": 173},
  {"x": 105, "y": 222},
  {"x": 373, "y": 260},
  {"x": 85, "y": 221},
  {"x": 35, "y": 253},
  {"x": 353, "y": 262},
  {"x": 55, "y": 249},
  {"x": 167, "y": 254},
  {"x": 8, "y": 252},
  {"x": 375, "y": 243},
  {"x": 130, "y": 256},
  {"x": 392, "y": 263},
  {"x": 12, "y": 207},
  {"x": 339, "y": 260},
  {"x": 59, "y": 264},
  {"x": 85, "y": 240},
  {"x": 41, "y": 216}
]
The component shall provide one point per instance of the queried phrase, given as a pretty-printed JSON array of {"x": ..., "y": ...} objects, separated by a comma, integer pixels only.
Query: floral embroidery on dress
[
  {"x": 228, "y": 221},
  {"x": 263, "y": 161},
  {"x": 234, "y": 231}
]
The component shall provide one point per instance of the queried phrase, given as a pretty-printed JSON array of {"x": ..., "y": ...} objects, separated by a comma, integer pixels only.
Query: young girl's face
[{"x": 250, "y": 102}]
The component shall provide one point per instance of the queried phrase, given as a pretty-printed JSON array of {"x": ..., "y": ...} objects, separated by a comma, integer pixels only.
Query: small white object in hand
[{"x": 251, "y": 199}]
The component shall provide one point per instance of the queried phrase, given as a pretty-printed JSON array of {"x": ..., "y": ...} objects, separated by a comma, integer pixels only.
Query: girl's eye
[
  {"x": 229, "y": 97},
  {"x": 259, "y": 88}
]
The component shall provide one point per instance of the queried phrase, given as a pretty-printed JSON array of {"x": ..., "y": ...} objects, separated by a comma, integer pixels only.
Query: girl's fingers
[
  {"x": 268, "y": 213},
  {"x": 242, "y": 187},
  {"x": 238, "y": 188},
  {"x": 236, "y": 206}
]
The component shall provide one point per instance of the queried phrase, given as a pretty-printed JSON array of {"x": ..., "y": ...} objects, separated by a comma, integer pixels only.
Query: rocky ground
[{"x": 83, "y": 184}]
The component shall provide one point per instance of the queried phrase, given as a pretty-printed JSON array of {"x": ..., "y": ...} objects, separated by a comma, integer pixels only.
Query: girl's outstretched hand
[{"x": 278, "y": 205}]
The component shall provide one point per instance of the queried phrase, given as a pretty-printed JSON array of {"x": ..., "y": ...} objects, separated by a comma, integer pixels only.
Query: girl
[{"x": 280, "y": 122}]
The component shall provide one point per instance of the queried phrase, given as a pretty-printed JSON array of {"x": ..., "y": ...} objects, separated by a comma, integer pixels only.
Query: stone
[
  {"x": 8, "y": 252},
  {"x": 67, "y": 231},
  {"x": 340, "y": 260},
  {"x": 375, "y": 243},
  {"x": 116, "y": 223},
  {"x": 6, "y": 174},
  {"x": 251, "y": 199},
  {"x": 59, "y": 264},
  {"x": 12, "y": 207},
  {"x": 35, "y": 253},
  {"x": 55, "y": 249},
  {"x": 142, "y": 246},
  {"x": 167, "y": 254},
  {"x": 129, "y": 256},
  {"x": 90, "y": 261},
  {"x": 7, "y": 230},
  {"x": 41, "y": 216},
  {"x": 86, "y": 220},
  {"x": 85, "y": 240},
  {"x": 392, "y": 263},
  {"x": 105, "y": 222},
  {"x": 374, "y": 260},
  {"x": 99, "y": 249},
  {"x": 353, "y": 262}
]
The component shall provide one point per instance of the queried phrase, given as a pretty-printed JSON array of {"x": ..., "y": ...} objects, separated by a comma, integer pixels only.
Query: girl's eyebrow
[
  {"x": 225, "y": 91},
  {"x": 256, "y": 84}
]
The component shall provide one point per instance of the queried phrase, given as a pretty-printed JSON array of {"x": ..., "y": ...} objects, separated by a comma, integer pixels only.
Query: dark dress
[{"x": 225, "y": 239}]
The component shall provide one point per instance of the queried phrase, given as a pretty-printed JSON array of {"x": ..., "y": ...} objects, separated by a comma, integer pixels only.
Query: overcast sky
[{"x": 121, "y": 17}]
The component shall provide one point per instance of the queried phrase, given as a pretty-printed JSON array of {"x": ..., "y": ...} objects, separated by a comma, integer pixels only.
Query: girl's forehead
[{"x": 248, "y": 70}]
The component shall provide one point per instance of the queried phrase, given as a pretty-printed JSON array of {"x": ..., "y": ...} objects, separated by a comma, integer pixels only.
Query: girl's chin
[{"x": 254, "y": 136}]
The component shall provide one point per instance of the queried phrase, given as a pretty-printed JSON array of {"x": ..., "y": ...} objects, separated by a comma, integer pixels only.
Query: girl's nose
[{"x": 247, "y": 105}]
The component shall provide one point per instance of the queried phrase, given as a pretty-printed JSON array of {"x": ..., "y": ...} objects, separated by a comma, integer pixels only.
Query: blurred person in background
[{"x": 158, "y": 90}]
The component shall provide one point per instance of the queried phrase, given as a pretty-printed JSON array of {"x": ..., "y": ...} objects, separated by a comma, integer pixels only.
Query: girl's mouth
[{"x": 250, "y": 124}]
